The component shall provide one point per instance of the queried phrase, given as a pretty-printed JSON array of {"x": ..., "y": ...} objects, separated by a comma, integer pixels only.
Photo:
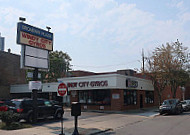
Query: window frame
[
  {"x": 148, "y": 98},
  {"x": 130, "y": 97},
  {"x": 93, "y": 97}
]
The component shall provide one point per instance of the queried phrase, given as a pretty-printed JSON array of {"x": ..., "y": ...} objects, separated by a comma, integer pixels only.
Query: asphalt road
[{"x": 159, "y": 125}]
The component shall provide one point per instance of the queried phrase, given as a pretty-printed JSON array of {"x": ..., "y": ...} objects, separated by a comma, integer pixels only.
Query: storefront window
[
  {"x": 99, "y": 97},
  {"x": 130, "y": 97},
  {"x": 149, "y": 99}
]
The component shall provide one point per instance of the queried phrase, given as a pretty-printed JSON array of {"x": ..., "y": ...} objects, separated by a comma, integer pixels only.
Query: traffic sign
[{"x": 62, "y": 89}]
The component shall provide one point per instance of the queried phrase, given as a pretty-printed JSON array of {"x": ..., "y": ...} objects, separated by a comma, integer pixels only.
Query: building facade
[
  {"x": 2, "y": 43},
  {"x": 10, "y": 73},
  {"x": 99, "y": 92},
  {"x": 110, "y": 92}
]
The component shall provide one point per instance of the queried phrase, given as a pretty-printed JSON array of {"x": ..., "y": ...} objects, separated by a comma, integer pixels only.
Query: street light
[
  {"x": 22, "y": 19},
  {"x": 183, "y": 90},
  {"x": 48, "y": 28}
]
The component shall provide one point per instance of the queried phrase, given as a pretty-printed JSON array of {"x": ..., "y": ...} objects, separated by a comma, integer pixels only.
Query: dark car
[
  {"x": 171, "y": 106},
  {"x": 25, "y": 108},
  {"x": 3, "y": 106}
]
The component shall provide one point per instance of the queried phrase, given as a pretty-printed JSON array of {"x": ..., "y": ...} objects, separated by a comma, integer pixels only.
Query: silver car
[{"x": 186, "y": 105}]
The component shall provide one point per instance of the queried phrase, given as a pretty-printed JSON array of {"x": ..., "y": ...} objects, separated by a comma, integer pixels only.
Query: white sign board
[
  {"x": 34, "y": 58},
  {"x": 37, "y": 85},
  {"x": 115, "y": 96}
]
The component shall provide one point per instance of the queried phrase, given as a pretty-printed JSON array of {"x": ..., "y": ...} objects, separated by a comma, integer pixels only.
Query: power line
[{"x": 105, "y": 66}]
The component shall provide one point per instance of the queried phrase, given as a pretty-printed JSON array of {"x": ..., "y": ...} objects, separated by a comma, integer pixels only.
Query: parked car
[
  {"x": 172, "y": 106},
  {"x": 3, "y": 106},
  {"x": 25, "y": 108},
  {"x": 186, "y": 105}
]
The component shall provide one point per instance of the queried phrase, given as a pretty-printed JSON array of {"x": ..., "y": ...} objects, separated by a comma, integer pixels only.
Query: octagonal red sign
[{"x": 62, "y": 89}]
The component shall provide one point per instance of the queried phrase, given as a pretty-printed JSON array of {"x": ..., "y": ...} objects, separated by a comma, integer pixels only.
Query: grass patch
[{"x": 14, "y": 126}]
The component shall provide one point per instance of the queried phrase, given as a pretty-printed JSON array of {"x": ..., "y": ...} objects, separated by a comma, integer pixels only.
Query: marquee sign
[
  {"x": 131, "y": 83},
  {"x": 35, "y": 37},
  {"x": 88, "y": 84}
]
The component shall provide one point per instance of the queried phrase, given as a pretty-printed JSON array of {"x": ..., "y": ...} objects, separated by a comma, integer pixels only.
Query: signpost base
[
  {"x": 76, "y": 129},
  {"x": 62, "y": 120}
]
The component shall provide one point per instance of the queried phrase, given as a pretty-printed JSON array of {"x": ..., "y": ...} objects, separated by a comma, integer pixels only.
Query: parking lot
[
  {"x": 136, "y": 122},
  {"x": 89, "y": 123}
]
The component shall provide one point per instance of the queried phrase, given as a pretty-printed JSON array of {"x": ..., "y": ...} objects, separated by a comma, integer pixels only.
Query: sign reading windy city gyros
[{"x": 35, "y": 37}]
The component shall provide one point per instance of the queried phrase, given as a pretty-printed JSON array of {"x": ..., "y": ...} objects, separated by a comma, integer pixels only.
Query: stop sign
[{"x": 62, "y": 89}]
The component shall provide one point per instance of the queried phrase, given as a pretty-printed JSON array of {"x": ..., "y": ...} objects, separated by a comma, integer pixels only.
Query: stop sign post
[{"x": 62, "y": 91}]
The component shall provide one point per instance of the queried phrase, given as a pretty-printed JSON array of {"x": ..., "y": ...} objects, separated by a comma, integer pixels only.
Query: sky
[{"x": 101, "y": 35}]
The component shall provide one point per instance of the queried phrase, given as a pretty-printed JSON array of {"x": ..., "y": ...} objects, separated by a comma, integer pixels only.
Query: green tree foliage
[
  {"x": 171, "y": 61},
  {"x": 59, "y": 66}
]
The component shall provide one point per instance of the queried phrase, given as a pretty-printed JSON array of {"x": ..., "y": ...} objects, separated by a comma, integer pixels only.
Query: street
[
  {"x": 159, "y": 125},
  {"x": 113, "y": 123}
]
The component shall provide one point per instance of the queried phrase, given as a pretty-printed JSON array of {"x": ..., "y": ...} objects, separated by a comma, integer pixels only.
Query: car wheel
[
  {"x": 161, "y": 113},
  {"x": 58, "y": 115},
  {"x": 30, "y": 118}
]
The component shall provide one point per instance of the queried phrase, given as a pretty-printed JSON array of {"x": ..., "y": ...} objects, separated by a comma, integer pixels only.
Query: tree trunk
[{"x": 160, "y": 98}]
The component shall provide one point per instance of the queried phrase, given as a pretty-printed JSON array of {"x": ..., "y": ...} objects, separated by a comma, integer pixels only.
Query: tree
[
  {"x": 172, "y": 61},
  {"x": 159, "y": 79},
  {"x": 59, "y": 66}
]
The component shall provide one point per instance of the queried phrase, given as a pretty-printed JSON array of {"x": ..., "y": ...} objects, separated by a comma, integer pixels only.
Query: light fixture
[
  {"x": 48, "y": 28},
  {"x": 22, "y": 19}
]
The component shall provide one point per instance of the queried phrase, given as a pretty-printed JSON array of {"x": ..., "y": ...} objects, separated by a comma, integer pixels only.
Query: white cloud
[{"x": 115, "y": 31}]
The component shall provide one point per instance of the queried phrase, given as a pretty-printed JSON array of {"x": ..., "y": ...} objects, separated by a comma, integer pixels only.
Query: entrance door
[{"x": 141, "y": 101}]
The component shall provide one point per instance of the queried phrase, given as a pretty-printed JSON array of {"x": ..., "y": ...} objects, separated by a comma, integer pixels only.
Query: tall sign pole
[
  {"x": 36, "y": 44},
  {"x": 62, "y": 91},
  {"x": 35, "y": 95}
]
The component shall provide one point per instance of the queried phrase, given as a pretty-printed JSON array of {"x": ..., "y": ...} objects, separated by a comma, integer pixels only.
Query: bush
[
  {"x": 14, "y": 126},
  {"x": 10, "y": 121},
  {"x": 9, "y": 117}
]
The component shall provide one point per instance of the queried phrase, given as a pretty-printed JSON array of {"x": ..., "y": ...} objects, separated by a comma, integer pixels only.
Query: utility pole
[{"x": 143, "y": 60}]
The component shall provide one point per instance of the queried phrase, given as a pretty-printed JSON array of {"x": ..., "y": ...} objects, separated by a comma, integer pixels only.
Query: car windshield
[
  {"x": 168, "y": 102},
  {"x": 184, "y": 102},
  {"x": 15, "y": 103},
  {"x": 2, "y": 104}
]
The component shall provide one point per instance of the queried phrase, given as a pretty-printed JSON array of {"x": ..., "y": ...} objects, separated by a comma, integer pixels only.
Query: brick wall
[
  {"x": 168, "y": 95},
  {"x": 117, "y": 103},
  {"x": 187, "y": 91},
  {"x": 10, "y": 73}
]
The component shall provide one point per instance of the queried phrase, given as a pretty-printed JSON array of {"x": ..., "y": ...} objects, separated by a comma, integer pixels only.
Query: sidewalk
[
  {"x": 142, "y": 112},
  {"x": 87, "y": 126}
]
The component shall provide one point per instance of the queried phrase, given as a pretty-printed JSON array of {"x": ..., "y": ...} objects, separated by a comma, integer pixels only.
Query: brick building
[
  {"x": 10, "y": 73},
  {"x": 110, "y": 91},
  {"x": 121, "y": 90}
]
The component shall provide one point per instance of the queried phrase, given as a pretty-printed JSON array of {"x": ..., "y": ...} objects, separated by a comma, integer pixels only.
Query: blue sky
[{"x": 101, "y": 35}]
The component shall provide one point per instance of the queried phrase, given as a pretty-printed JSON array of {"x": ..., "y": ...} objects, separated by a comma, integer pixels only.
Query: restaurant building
[{"x": 110, "y": 91}]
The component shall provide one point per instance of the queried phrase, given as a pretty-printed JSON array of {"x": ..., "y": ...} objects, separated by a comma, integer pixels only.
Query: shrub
[
  {"x": 9, "y": 117},
  {"x": 14, "y": 126}
]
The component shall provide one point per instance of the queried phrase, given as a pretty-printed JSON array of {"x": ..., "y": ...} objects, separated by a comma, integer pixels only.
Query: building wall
[
  {"x": 187, "y": 91},
  {"x": 167, "y": 94},
  {"x": 117, "y": 100},
  {"x": 2, "y": 43},
  {"x": 10, "y": 73}
]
